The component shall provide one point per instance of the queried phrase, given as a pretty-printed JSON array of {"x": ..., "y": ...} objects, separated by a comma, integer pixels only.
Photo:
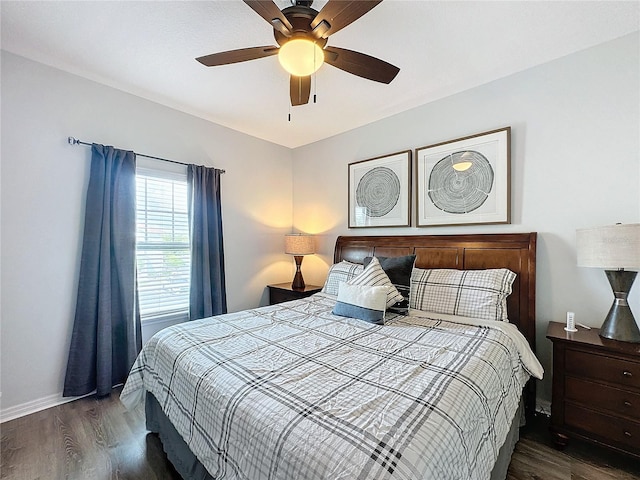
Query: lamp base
[
  {"x": 298, "y": 281},
  {"x": 619, "y": 323}
]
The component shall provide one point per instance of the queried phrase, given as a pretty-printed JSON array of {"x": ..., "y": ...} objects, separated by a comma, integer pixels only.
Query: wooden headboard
[{"x": 515, "y": 251}]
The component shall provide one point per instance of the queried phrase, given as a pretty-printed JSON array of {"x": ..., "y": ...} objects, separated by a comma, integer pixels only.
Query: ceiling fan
[{"x": 301, "y": 33}]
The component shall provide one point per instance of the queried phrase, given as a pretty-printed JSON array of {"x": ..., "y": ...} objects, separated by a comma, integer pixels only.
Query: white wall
[
  {"x": 575, "y": 163},
  {"x": 44, "y": 181}
]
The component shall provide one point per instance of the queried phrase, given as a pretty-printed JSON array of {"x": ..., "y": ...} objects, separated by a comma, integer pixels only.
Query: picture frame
[
  {"x": 380, "y": 191},
  {"x": 465, "y": 181}
]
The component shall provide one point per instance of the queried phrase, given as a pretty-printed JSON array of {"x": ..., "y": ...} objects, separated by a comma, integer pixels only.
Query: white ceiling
[{"x": 148, "y": 48}]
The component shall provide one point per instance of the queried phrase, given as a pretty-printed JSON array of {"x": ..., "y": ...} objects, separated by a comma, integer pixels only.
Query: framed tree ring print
[
  {"x": 380, "y": 191},
  {"x": 465, "y": 181}
]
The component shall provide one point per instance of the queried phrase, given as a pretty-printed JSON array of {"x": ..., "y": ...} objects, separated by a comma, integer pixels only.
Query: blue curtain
[
  {"x": 106, "y": 334},
  {"x": 207, "y": 294}
]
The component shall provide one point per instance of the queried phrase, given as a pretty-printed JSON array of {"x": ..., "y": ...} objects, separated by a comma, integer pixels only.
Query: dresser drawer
[
  {"x": 599, "y": 367},
  {"x": 615, "y": 431},
  {"x": 602, "y": 397}
]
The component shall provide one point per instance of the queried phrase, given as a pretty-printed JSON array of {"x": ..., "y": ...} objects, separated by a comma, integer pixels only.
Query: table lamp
[
  {"x": 614, "y": 248},
  {"x": 298, "y": 244}
]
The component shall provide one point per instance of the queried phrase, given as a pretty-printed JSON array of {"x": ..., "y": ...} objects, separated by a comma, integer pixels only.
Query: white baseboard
[{"x": 34, "y": 406}]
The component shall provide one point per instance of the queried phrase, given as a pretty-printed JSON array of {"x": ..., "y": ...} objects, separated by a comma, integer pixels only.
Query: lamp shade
[
  {"x": 299, "y": 244},
  {"x": 611, "y": 247}
]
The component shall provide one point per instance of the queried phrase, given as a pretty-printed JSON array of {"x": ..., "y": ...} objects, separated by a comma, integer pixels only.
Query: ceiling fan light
[
  {"x": 301, "y": 57},
  {"x": 462, "y": 162},
  {"x": 462, "y": 166}
]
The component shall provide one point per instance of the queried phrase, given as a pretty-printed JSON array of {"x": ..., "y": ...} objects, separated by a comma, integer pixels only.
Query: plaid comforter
[{"x": 292, "y": 392}]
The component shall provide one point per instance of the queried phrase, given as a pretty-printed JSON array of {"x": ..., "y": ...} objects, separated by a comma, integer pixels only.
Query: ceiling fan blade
[
  {"x": 272, "y": 14},
  {"x": 235, "y": 56},
  {"x": 299, "y": 90},
  {"x": 360, "y": 64},
  {"x": 338, "y": 14}
]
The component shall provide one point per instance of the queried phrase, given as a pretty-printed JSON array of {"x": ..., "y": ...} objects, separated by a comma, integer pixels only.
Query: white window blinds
[{"x": 162, "y": 244}]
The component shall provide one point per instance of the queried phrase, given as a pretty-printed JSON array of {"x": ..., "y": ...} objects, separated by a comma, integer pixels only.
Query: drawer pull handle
[
  {"x": 627, "y": 403},
  {"x": 627, "y": 374},
  {"x": 627, "y": 434}
]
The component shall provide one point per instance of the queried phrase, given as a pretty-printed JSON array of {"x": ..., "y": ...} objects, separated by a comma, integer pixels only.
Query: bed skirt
[
  {"x": 178, "y": 453},
  {"x": 189, "y": 468}
]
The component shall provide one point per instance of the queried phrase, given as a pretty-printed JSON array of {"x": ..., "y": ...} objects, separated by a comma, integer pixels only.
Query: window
[{"x": 162, "y": 243}]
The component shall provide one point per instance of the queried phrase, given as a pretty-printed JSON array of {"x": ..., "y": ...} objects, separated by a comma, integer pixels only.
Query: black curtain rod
[{"x": 75, "y": 141}]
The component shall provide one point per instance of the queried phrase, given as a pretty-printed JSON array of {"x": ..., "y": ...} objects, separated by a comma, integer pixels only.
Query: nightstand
[
  {"x": 596, "y": 389},
  {"x": 282, "y": 292}
]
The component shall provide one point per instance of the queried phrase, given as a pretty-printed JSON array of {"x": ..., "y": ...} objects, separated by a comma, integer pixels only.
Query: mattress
[{"x": 291, "y": 391}]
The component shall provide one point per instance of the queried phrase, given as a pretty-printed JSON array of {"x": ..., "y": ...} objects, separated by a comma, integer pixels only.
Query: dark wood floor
[{"x": 92, "y": 439}]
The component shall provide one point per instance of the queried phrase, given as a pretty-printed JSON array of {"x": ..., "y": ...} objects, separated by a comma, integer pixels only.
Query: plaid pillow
[
  {"x": 468, "y": 293},
  {"x": 374, "y": 275},
  {"x": 340, "y": 272}
]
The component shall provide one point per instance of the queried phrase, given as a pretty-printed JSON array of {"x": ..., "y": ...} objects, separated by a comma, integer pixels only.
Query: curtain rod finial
[{"x": 72, "y": 141}]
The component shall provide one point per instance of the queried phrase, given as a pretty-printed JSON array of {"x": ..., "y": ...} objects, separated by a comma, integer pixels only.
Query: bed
[{"x": 293, "y": 391}]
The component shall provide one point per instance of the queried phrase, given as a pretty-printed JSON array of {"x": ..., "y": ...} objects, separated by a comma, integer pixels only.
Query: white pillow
[
  {"x": 467, "y": 293},
  {"x": 374, "y": 275},
  {"x": 340, "y": 272},
  {"x": 363, "y": 302}
]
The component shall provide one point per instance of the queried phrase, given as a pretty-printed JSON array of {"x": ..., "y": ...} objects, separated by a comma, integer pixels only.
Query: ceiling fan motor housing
[{"x": 300, "y": 18}]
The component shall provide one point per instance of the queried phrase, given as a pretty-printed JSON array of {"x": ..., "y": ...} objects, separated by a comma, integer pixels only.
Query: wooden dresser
[{"x": 596, "y": 389}]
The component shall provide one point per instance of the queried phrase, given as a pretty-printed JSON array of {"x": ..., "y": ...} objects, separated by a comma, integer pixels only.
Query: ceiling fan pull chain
[
  {"x": 315, "y": 87},
  {"x": 315, "y": 78}
]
